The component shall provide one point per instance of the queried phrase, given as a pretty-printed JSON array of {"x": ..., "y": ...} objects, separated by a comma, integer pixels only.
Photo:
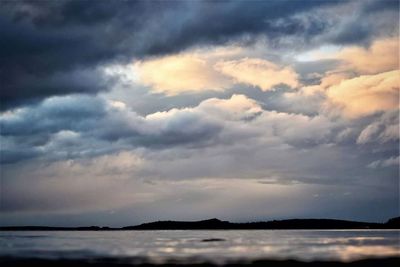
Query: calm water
[{"x": 157, "y": 246}]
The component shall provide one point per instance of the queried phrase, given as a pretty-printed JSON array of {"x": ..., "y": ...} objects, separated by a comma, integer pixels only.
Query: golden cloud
[
  {"x": 367, "y": 80},
  {"x": 258, "y": 72},
  {"x": 366, "y": 94},
  {"x": 382, "y": 56},
  {"x": 180, "y": 73},
  {"x": 214, "y": 69}
]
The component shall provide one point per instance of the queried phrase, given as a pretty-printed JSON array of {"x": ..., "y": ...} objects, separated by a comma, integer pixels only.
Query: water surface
[{"x": 216, "y": 246}]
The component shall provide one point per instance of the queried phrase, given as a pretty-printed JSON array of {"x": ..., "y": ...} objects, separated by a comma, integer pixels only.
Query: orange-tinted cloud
[
  {"x": 258, "y": 72},
  {"x": 211, "y": 70},
  {"x": 381, "y": 56},
  {"x": 180, "y": 73},
  {"x": 365, "y": 82},
  {"x": 366, "y": 94}
]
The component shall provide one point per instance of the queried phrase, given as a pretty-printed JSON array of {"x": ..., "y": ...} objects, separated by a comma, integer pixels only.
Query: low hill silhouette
[
  {"x": 215, "y": 224},
  {"x": 281, "y": 224}
]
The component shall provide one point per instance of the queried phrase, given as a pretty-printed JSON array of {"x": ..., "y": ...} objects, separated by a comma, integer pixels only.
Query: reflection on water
[{"x": 217, "y": 246}]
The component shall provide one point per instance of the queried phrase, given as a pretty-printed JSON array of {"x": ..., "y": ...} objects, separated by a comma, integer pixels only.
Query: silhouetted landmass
[
  {"x": 393, "y": 223},
  {"x": 215, "y": 224},
  {"x": 51, "y": 228},
  {"x": 282, "y": 224}
]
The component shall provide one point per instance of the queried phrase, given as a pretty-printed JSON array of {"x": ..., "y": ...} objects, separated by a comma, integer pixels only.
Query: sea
[{"x": 203, "y": 245}]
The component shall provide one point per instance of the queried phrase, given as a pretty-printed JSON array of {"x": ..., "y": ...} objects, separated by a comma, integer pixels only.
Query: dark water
[{"x": 215, "y": 246}]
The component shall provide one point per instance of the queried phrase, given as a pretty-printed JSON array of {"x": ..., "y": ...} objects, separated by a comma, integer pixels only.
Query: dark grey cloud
[
  {"x": 45, "y": 43},
  {"x": 369, "y": 20},
  {"x": 66, "y": 127},
  {"x": 53, "y": 115},
  {"x": 16, "y": 155}
]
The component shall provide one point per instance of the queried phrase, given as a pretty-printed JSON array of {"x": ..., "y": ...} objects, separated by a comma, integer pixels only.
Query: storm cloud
[
  {"x": 147, "y": 110},
  {"x": 45, "y": 44}
]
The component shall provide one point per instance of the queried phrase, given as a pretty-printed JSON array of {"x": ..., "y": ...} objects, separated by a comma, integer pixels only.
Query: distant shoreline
[{"x": 215, "y": 224}]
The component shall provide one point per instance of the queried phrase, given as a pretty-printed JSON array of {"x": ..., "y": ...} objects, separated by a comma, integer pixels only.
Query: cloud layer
[{"x": 139, "y": 111}]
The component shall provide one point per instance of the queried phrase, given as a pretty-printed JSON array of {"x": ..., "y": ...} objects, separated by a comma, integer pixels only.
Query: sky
[{"x": 136, "y": 111}]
